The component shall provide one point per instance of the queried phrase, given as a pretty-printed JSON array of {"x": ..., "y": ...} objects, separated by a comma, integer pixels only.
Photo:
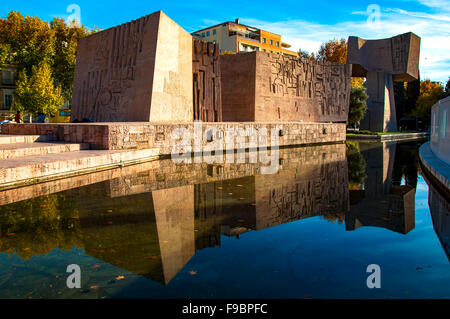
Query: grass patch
[{"x": 362, "y": 132}]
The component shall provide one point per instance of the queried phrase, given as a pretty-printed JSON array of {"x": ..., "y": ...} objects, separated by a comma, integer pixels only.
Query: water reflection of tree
[
  {"x": 356, "y": 164},
  {"x": 406, "y": 164},
  {"x": 38, "y": 225}
]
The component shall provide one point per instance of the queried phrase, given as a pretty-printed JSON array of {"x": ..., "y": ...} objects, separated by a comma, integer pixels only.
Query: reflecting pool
[{"x": 202, "y": 230}]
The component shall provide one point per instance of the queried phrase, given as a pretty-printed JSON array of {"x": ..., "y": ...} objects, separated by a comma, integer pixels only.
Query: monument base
[{"x": 146, "y": 135}]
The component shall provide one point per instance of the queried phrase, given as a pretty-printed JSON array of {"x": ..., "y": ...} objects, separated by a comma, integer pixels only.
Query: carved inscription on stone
[
  {"x": 111, "y": 73},
  {"x": 326, "y": 85},
  {"x": 206, "y": 81}
]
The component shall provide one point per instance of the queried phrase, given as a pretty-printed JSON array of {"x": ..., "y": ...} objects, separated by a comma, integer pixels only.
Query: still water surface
[{"x": 160, "y": 230}]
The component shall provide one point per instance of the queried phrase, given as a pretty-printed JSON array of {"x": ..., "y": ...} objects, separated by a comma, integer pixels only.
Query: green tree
[
  {"x": 4, "y": 54},
  {"x": 30, "y": 40},
  {"x": 400, "y": 99},
  {"x": 306, "y": 55},
  {"x": 37, "y": 93},
  {"x": 356, "y": 164},
  {"x": 65, "y": 48},
  {"x": 358, "y": 105}
]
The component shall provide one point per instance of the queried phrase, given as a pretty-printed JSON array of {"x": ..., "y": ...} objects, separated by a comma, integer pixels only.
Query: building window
[
  {"x": 203, "y": 34},
  {"x": 264, "y": 40},
  {"x": 214, "y": 31},
  {"x": 207, "y": 34},
  {"x": 8, "y": 77},
  {"x": 7, "y": 101},
  {"x": 278, "y": 43},
  {"x": 271, "y": 42}
]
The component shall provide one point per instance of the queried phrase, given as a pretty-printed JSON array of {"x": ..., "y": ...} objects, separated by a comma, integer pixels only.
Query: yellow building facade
[{"x": 236, "y": 37}]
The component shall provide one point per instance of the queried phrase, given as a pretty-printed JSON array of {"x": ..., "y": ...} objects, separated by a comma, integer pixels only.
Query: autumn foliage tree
[
  {"x": 32, "y": 44},
  {"x": 38, "y": 94},
  {"x": 430, "y": 93}
]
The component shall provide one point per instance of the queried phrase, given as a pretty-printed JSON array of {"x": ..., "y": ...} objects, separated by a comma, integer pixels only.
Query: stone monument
[
  {"x": 138, "y": 71},
  {"x": 206, "y": 85},
  {"x": 267, "y": 87},
  {"x": 381, "y": 62}
]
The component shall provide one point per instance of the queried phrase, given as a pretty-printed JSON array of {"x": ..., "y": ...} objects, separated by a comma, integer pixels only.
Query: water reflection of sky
[{"x": 303, "y": 255}]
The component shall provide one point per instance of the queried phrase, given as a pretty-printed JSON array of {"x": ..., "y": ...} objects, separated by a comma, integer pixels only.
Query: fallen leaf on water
[
  {"x": 94, "y": 287},
  {"x": 239, "y": 185},
  {"x": 219, "y": 187},
  {"x": 120, "y": 277},
  {"x": 230, "y": 193},
  {"x": 241, "y": 198},
  {"x": 153, "y": 257},
  {"x": 109, "y": 211},
  {"x": 27, "y": 248},
  {"x": 110, "y": 222},
  {"x": 193, "y": 272},
  {"x": 12, "y": 234},
  {"x": 95, "y": 266}
]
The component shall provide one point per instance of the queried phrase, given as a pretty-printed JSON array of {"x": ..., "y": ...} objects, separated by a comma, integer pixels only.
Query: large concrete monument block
[
  {"x": 138, "y": 71},
  {"x": 382, "y": 62},
  {"x": 265, "y": 87}
]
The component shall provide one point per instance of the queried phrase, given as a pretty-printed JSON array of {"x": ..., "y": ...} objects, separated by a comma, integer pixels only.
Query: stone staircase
[{"x": 28, "y": 159}]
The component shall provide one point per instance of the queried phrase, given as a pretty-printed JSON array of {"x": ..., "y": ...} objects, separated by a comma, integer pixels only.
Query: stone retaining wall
[{"x": 140, "y": 135}]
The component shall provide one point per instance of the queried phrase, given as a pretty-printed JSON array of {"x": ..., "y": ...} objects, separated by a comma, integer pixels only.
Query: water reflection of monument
[
  {"x": 152, "y": 230},
  {"x": 440, "y": 214},
  {"x": 382, "y": 203}
]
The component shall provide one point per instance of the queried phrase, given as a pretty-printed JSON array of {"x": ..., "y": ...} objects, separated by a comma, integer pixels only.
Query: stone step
[
  {"x": 10, "y": 151},
  {"x": 34, "y": 169},
  {"x": 12, "y": 139}
]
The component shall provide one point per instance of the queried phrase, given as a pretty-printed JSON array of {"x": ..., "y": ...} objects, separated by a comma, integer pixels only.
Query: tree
[
  {"x": 400, "y": 99},
  {"x": 4, "y": 54},
  {"x": 333, "y": 51},
  {"x": 356, "y": 164},
  {"x": 430, "y": 93},
  {"x": 30, "y": 40},
  {"x": 447, "y": 88},
  {"x": 65, "y": 48},
  {"x": 37, "y": 94},
  {"x": 358, "y": 105},
  {"x": 306, "y": 55}
]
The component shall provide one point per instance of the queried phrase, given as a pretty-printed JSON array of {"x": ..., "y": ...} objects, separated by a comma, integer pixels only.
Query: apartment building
[
  {"x": 236, "y": 37},
  {"x": 7, "y": 87}
]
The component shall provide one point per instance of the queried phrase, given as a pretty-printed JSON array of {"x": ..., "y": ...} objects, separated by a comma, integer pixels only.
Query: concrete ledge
[
  {"x": 36, "y": 169},
  {"x": 388, "y": 137},
  {"x": 437, "y": 168},
  {"x": 12, "y": 139},
  {"x": 10, "y": 151}
]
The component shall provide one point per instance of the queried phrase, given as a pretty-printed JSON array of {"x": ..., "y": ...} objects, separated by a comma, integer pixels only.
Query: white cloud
[{"x": 433, "y": 28}]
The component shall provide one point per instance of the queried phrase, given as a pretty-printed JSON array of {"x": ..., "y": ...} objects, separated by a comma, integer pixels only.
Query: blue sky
[{"x": 303, "y": 24}]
